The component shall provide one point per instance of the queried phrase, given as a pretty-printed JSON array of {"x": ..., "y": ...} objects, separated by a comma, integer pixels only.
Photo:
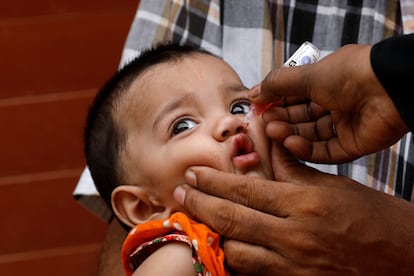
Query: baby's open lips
[
  {"x": 242, "y": 145},
  {"x": 244, "y": 156}
]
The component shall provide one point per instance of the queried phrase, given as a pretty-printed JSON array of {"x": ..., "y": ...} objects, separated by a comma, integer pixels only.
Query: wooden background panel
[
  {"x": 12, "y": 8},
  {"x": 42, "y": 214},
  {"x": 62, "y": 261},
  {"x": 43, "y": 133},
  {"x": 61, "y": 52},
  {"x": 54, "y": 55}
]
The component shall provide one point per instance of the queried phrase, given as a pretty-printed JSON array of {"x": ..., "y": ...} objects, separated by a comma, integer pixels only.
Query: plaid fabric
[
  {"x": 407, "y": 11},
  {"x": 256, "y": 36}
]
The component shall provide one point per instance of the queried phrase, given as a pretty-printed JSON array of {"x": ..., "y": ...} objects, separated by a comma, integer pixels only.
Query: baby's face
[{"x": 189, "y": 113}]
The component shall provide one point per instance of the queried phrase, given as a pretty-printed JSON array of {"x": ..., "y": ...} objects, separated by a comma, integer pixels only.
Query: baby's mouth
[{"x": 244, "y": 155}]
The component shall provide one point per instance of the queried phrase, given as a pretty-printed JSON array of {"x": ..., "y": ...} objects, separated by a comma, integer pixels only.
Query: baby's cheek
[{"x": 214, "y": 156}]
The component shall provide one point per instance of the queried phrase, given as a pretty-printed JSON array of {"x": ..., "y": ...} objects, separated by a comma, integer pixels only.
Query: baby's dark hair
[{"x": 103, "y": 138}]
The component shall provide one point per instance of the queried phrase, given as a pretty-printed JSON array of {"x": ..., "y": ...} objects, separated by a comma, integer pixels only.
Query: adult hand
[
  {"x": 342, "y": 91},
  {"x": 308, "y": 222}
]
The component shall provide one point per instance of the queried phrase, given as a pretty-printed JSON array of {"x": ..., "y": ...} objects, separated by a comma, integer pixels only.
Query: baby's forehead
[
  {"x": 193, "y": 72},
  {"x": 180, "y": 72}
]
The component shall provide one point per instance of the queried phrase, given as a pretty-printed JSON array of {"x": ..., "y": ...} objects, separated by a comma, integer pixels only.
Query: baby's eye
[
  {"x": 182, "y": 125},
  {"x": 240, "y": 107}
]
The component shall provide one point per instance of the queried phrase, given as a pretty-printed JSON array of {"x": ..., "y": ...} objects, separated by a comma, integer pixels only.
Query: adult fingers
[
  {"x": 233, "y": 220},
  {"x": 295, "y": 112},
  {"x": 253, "y": 192},
  {"x": 319, "y": 130},
  {"x": 329, "y": 151},
  {"x": 308, "y": 120},
  {"x": 315, "y": 141},
  {"x": 253, "y": 259},
  {"x": 281, "y": 82}
]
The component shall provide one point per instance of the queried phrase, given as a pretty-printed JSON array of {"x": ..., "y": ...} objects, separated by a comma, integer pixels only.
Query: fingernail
[
  {"x": 191, "y": 177},
  {"x": 254, "y": 91},
  {"x": 179, "y": 194}
]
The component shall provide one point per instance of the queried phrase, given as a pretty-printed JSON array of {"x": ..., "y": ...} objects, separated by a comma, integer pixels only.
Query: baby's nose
[{"x": 228, "y": 126}]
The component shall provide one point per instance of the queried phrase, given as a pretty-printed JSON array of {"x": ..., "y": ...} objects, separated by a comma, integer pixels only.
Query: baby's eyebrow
[
  {"x": 179, "y": 101},
  {"x": 238, "y": 87}
]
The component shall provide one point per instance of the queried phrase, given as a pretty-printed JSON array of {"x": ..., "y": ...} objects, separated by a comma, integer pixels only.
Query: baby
[{"x": 171, "y": 108}]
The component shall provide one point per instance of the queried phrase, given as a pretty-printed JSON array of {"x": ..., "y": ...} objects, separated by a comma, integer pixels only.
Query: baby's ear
[{"x": 132, "y": 205}]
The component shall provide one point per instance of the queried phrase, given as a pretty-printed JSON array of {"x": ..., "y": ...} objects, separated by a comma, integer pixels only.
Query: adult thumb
[{"x": 282, "y": 82}]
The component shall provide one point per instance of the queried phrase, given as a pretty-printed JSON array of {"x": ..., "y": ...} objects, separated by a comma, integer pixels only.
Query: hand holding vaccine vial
[{"x": 306, "y": 54}]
